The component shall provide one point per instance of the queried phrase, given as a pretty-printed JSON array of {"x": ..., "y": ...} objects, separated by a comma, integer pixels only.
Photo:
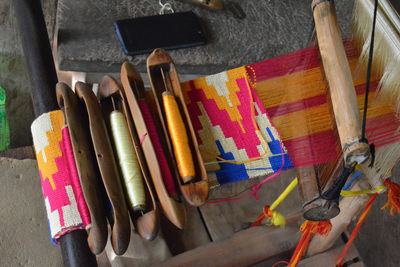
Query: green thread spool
[{"x": 128, "y": 162}]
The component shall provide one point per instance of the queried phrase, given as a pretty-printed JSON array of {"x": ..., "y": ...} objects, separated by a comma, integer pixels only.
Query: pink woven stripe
[
  {"x": 162, "y": 160},
  {"x": 75, "y": 182}
]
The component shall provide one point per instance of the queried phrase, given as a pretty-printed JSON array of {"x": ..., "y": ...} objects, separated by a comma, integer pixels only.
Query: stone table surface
[{"x": 87, "y": 40}]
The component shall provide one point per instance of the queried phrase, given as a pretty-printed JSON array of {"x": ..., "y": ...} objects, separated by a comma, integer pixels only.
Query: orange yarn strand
[
  {"x": 267, "y": 213},
  {"x": 308, "y": 228},
  {"x": 179, "y": 138},
  {"x": 393, "y": 196},
  {"x": 353, "y": 235}
]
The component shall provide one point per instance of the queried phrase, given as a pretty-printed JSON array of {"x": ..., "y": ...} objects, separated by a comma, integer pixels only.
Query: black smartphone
[{"x": 170, "y": 31}]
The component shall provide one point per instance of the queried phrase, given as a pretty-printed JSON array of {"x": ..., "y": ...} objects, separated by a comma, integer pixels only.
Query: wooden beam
[
  {"x": 244, "y": 248},
  {"x": 350, "y": 207}
]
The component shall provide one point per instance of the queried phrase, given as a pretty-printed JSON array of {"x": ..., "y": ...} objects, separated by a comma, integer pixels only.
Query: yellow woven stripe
[
  {"x": 303, "y": 122},
  {"x": 52, "y": 151},
  {"x": 297, "y": 86}
]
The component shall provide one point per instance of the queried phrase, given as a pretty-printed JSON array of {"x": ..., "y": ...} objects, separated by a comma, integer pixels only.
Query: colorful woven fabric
[
  {"x": 65, "y": 205},
  {"x": 291, "y": 92},
  {"x": 294, "y": 94},
  {"x": 226, "y": 114}
]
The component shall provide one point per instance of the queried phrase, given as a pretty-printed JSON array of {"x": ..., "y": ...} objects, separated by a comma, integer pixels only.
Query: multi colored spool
[
  {"x": 179, "y": 138},
  {"x": 127, "y": 161}
]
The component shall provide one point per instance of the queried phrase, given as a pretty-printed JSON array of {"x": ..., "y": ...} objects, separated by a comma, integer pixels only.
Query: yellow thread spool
[
  {"x": 179, "y": 138},
  {"x": 127, "y": 161}
]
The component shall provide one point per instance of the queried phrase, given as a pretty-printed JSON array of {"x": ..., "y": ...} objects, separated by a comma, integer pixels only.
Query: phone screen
[{"x": 170, "y": 31}]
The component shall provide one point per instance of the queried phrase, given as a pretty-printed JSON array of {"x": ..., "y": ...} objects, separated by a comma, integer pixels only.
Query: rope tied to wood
[{"x": 274, "y": 217}]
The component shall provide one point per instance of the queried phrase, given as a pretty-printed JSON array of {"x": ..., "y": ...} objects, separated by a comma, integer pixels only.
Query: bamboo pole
[
  {"x": 43, "y": 79},
  {"x": 341, "y": 88}
]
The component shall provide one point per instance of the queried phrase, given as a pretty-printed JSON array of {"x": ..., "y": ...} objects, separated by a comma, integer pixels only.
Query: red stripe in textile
[
  {"x": 75, "y": 182},
  {"x": 293, "y": 62},
  {"x": 360, "y": 89},
  {"x": 296, "y": 106},
  {"x": 162, "y": 160},
  {"x": 383, "y": 130},
  {"x": 312, "y": 149},
  {"x": 311, "y": 102}
]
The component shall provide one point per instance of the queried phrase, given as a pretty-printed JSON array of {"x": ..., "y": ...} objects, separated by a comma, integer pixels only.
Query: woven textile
[
  {"x": 222, "y": 108},
  {"x": 293, "y": 91},
  {"x": 65, "y": 205}
]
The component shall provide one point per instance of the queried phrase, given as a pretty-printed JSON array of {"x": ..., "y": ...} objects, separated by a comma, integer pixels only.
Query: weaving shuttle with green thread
[
  {"x": 133, "y": 89},
  {"x": 130, "y": 159},
  {"x": 121, "y": 229}
]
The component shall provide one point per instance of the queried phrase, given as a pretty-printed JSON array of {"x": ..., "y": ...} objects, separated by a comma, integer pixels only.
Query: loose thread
[
  {"x": 346, "y": 193},
  {"x": 142, "y": 138},
  {"x": 353, "y": 235},
  {"x": 355, "y": 176},
  {"x": 393, "y": 196},
  {"x": 308, "y": 228}
]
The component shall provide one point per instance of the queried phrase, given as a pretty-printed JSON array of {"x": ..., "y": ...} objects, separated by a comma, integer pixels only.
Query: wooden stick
[
  {"x": 43, "y": 79},
  {"x": 314, "y": 207},
  {"x": 244, "y": 248},
  {"x": 338, "y": 74},
  {"x": 350, "y": 207}
]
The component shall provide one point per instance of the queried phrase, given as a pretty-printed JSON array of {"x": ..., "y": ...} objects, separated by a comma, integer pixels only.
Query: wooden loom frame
[{"x": 74, "y": 247}]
